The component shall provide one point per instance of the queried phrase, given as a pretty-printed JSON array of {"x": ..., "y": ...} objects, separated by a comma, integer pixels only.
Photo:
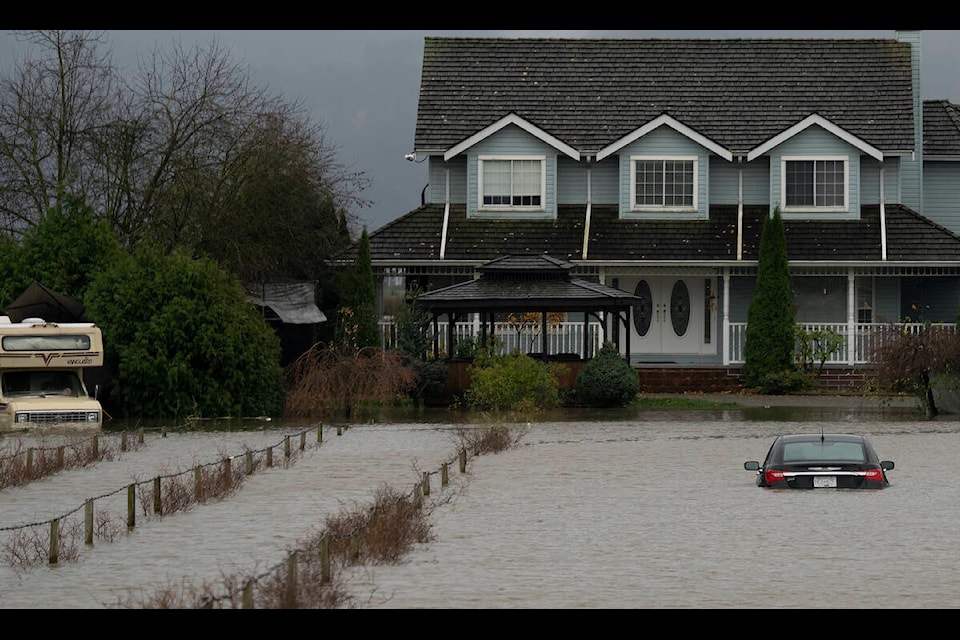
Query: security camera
[{"x": 410, "y": 156}]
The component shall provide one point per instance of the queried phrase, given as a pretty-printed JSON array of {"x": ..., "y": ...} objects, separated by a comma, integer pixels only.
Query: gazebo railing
[{"x": 562, "y": 337}]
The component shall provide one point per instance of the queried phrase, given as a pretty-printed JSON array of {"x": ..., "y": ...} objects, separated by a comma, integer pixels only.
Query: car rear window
[{"x": 826, "y": 451}]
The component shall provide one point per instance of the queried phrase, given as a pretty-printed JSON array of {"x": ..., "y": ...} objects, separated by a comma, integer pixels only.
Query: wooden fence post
[
  {"x": 320, "y": 432},
  {"x": 463, "y": 460},
  {"x": 225, "y": 473},
  {"x": 303, "y": 440},
  {"x": 60, "y": 457},
  {"x": 444, "y": 477},
  {"x": 269, "y": 457},
  {"x": 88, "y": 522},
  {"x": 249, "y": 462},
  {"x": 140, "y": 436},
  {"x": 290, "y": 595},
  {"x": 325, "y": 559},
  {"x": 131, "y": 506},
  {"x": 96, "y": 447},
  {"x": 426, "y": 483},
  {"x": 157, "y": 502},
  {"x": 247, "y": 599},
  {"x": 123, "y": 441},
  {"x": 54, "y": 556}
]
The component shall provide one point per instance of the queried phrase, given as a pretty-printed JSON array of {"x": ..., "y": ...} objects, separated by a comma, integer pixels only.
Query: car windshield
[{"x": 823, "y": 452}]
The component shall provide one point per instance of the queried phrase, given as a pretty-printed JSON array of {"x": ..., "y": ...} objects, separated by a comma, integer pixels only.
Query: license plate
[{"x": 824, "y": 482}]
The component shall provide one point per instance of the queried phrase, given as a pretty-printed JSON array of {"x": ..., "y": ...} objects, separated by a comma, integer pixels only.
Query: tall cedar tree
[
  {"x": 358, "y": 324},
  {"x": 770, "y": 335}
]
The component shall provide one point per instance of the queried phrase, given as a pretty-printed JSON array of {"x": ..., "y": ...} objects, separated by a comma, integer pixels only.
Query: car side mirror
[
  {"x": 753, "y": 465},
  {"x": 886, "y": 465}
]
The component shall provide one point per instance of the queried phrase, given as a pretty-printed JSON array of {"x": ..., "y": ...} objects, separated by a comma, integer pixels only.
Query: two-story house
[{"x": 649, "y": 164}]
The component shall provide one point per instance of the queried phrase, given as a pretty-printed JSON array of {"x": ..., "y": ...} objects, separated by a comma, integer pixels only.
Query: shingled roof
[
  {"x": 589, "y": 93},
  {"x": 941, "y": 129},
  {"x": 417, "y": 237}
]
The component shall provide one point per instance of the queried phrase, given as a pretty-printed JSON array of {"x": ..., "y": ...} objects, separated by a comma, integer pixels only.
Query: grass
[{"x": 672, "y": 403}]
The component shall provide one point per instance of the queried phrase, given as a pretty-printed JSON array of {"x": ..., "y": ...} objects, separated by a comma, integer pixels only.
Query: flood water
[{"x": 648, "y": 509}]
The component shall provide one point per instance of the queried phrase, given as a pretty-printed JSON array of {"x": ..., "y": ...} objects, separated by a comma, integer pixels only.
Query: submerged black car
[{"x": 816, "y": 460}]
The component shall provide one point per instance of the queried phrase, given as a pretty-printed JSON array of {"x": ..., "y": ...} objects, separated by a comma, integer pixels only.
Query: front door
[{"x": 669, "y": 317}]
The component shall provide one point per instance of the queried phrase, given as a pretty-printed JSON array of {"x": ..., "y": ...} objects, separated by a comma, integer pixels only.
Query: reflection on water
[{"x": 642, "y": 509}]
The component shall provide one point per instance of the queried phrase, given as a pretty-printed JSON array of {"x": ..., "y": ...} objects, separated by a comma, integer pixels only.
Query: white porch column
[
  {"x": 725, "y": 323},
  {"x": 851, "y": 317}
]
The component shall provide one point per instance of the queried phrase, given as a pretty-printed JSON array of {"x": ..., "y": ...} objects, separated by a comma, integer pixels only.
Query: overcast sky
[{"x": 363, "y": 85}]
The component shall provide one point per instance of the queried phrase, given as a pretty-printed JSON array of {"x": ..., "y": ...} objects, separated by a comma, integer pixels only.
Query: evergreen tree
[
  {"x": 770, "y": 336},
  {"x": 357, "y": 315}
]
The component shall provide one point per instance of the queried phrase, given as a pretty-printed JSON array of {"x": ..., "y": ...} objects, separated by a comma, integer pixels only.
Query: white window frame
[
  {"x": 481, "y": 160},
  {"x": 814, "y": 207},
  {"x": 695, "y": 160}
]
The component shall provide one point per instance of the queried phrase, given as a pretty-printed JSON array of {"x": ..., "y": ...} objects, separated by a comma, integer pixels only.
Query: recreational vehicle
[{"x": 42, "y": 368}]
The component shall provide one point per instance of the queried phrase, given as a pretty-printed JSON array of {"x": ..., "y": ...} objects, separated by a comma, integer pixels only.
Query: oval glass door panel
[
  {"x": 680, "y": 308},
  {"x": 642, "y": 310}
]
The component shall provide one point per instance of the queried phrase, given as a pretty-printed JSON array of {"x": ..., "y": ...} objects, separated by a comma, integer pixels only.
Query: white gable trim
[
  {"x": 673, "y": 124},
  {"x": 807, "y": 122},
  {"x": 516, "y": 120}
]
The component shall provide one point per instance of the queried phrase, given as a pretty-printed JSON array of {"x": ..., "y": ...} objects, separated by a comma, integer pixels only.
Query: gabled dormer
[
  {"x": 815, "y": 169},
  {"x": 511, "y": 169},
  {"x": 664, "y": 170}
]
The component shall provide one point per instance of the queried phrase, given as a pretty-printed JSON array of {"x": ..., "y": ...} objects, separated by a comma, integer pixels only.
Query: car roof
[{"x": 826, "y": 437}]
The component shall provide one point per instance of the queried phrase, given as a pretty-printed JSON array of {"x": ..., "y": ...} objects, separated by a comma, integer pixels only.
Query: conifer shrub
[
  {"x": 607, "y": 381},
  {"x": 770, "y": 336}
]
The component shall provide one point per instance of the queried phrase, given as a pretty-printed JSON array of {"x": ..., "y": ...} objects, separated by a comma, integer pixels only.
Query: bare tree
[
  {"x": 187, "y": 154},
  {"x": 52, "y": 109}
]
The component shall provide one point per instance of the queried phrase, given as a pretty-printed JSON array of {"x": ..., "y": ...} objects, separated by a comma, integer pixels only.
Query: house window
[
  {"x": 818, "y": 183},
  {"x": 512, "y": 183},
  {"x": 664, "y": 183}
]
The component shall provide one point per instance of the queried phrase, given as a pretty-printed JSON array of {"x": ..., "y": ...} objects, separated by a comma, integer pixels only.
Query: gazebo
[{"x": 526, "y": 283}]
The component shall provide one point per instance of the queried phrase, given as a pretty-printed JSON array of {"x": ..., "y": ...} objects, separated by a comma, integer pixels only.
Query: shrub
[
  {"x": 508, "y": 382},
  {"x": 607, "y": 381},
  {"x": 180, "y": 340}
]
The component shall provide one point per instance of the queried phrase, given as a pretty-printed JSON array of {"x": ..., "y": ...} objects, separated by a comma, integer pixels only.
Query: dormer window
[
  {"x": 815, "y": 183},
  {"x": 514, "y": 183},
  {"x": 667, "y": 183}
]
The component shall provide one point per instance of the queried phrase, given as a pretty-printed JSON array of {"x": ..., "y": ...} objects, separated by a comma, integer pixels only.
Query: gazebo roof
[{"x": 526, "y": 283}]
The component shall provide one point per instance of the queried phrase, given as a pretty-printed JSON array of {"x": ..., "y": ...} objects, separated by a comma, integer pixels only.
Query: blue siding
[
  {"x": 911, "y": 172},
  {"x": 870, "y": 181},
  {"x": 724, "y": 182},
  {"x": 664, "y": 141},
  {"x": 941, "y": 193},
  {"x": 437, "y": 190},
  {"x": 816, "y": 141},
  {"x": 513, "y": 140}
]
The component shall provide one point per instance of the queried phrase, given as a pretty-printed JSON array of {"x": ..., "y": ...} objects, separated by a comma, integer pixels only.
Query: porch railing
[{"x": 567, "y": 337}]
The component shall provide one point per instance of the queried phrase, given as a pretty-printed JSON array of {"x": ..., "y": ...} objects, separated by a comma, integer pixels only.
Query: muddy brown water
[{"x": 650, "y": 509}]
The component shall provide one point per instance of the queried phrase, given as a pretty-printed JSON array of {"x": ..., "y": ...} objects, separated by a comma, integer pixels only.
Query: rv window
[{"x": 46, "y": 343}]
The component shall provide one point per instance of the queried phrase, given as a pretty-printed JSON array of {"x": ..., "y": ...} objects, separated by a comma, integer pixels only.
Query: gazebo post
[
  {"x": 586, "y": 334},
  {"x": 543, "y": 333},
  {"x": 451, "y": 335}
]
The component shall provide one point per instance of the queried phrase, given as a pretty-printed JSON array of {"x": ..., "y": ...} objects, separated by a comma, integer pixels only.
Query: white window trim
[
  {"x": 813, "y": 207},
  {"x": 543, "y": 183},
  {"x": 655, "y": 208}
]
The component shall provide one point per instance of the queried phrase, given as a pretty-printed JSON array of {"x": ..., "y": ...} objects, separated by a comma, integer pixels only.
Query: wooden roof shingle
[{"x": 739, "y": 93}]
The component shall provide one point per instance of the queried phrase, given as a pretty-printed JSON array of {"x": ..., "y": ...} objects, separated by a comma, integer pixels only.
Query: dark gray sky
[{"x": 363, "y": 84}]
